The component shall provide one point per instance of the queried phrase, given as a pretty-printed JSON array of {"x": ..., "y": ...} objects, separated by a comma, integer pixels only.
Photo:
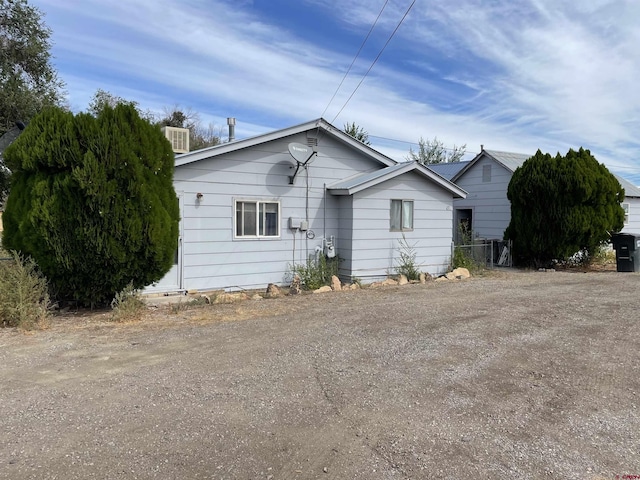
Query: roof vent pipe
[
  {"x": 482, "y": 148},
  {"x": 231, "y": 121}
]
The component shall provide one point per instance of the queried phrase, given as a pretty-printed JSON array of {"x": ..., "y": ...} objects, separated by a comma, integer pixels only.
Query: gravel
[{"x": 522, "y": 375}]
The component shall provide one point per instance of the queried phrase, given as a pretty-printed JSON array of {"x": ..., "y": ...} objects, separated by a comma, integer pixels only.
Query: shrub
[
  {"x": 317, "y": 272},
  {"x": 127, "y": 305},
  {"x": 92, "y": 201},
  {"x": 562, "y": 205},
  {"x": 24, "y": 297},
  {"x": 406, "y": 264}
]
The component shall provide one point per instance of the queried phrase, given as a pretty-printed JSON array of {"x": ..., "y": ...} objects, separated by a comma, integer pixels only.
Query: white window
[
  {"x": 401, "y": 215},
  {"x": 625, "y": 207},
  {"x": 257, "y": 218}
]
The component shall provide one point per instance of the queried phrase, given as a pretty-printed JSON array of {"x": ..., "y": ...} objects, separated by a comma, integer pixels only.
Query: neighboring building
[
  {"x": 249, "y": 210},
  {"x": 487, "y": 209}
]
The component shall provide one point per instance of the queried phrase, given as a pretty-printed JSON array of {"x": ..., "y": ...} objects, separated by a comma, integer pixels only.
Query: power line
[
  {"x": 355, "y": 58},
  {"x": 375, "y": 61}
]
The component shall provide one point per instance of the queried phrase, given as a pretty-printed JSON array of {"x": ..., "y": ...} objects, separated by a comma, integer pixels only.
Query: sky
[{"x": 512, "y": 75}]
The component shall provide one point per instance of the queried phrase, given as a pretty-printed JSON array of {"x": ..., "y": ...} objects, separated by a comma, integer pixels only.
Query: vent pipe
[
  {"x": 231, "y": 121},
  {"x": 482, "y": 148}
]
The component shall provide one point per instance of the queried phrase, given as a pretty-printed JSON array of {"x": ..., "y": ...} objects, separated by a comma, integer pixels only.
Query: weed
[
  {"x": 189, "y": 304},
  {"x": 127, "y": 305},
  {"x": 317, "y": 272},
  {"x": 406, "y": 265},
  {"x": 465, "y": 253},
  {"x": 24, "y": 296}
]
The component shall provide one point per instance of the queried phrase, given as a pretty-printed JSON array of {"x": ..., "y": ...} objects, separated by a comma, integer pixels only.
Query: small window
[
  {"x": 625, "y": 207},
  {"x": 486, "y": 173},
  {"x": 257, "y": 219},
  {"x": 401, "y": 215}
]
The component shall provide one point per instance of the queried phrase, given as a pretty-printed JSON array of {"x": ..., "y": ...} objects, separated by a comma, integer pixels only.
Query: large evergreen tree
[
  {"x": 28, "y": 82},
  {"x": 561, "y": 205},
  {"x": 92, "y": 201}
]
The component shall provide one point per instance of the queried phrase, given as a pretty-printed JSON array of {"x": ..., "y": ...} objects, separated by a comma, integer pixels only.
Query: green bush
[
  {"x": 406, "y": 264},
  {"x": 24, "y": 297},
  {"x": 560, "y": 206},
  {"x": 127, "y": 305},
  {"x": 92, "y": 201},
  {"x": 317, "y": 272}
]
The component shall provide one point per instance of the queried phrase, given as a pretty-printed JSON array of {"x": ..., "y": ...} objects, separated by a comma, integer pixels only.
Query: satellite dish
[{"x": 302, "y": 154}]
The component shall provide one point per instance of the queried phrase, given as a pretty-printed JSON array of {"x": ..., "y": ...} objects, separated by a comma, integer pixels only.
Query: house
[
  {"x": 252, "y": 208},
  {"x": 486, "y": 207}
]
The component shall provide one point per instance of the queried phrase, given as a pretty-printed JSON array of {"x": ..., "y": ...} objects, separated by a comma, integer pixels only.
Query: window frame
[
  {"x": 257, "y": 202},
  {"x": 486, "y": 173},
  {"x": 626, "y": 212},
  {"x": 401, "y": 222}
]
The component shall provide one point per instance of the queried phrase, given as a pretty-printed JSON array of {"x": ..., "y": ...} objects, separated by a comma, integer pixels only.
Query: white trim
[
  {"x": 257, "y": 201},
  {"x": 320, "y": 124}
]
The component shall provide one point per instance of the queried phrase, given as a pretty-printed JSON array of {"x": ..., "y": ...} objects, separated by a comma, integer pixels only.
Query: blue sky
[{"x": 514, "y": 75}]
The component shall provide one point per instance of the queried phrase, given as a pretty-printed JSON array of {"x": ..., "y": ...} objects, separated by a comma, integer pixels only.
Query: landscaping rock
[
  {"x": 403, "y": 280},
  {"x": 336, "y": 284},
  {"x": 461, "y": 273},
  {"x": 324, "y": 289},
  {"x": 272, "y": 291},
  {"x": 296, "y": 286},
  {"x": 389, "y": 281}
]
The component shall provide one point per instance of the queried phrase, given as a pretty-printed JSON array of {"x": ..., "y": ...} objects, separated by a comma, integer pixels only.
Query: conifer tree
[
  {"x": 92, "y": 201},
  {"x": 562, "y": 205}
]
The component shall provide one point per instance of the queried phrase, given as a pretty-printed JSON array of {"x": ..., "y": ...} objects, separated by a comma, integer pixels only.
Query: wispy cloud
[{"x": 511, "y": 74}]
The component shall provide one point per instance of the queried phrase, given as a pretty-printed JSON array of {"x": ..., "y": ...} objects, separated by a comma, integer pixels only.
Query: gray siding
[
  {"x": 375, "y": 250},
  {"x": 634, "y": 215},
  {"x": 488, "y": 200},
  {"x": 213, "y": 258}
]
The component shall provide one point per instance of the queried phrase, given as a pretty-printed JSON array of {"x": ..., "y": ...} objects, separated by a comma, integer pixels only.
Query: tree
[
  {"x": 28, "y": 82},
  {"x": 357, "y": 132},
  {"x": 199, "y": 136},
  {"x": 562, "y": 205},
  {"x": 434, "y": 151},
  {"x": 92, "y": 201}
]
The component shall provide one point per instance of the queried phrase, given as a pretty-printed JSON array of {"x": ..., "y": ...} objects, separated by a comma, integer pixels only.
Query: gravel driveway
[{"x": 518, "y": 375}]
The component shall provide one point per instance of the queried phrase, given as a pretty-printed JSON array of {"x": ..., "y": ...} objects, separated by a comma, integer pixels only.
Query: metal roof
[
  {"x": 363, "y": 181},
  {"x": 449, "y": 169},
  {"x": 509, "y": 160},
  {"x": 319, "y": 124},
  {"x": 630, "y": 190}
]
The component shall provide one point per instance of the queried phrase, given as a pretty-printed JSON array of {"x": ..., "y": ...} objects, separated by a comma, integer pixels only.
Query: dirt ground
[{"x": 519, "y": 375}]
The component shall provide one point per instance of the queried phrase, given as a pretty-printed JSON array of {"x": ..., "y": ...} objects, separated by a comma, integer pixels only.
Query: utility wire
[
  {"x": 375, "y": 61},
  {"x": 355, "y": 58}
]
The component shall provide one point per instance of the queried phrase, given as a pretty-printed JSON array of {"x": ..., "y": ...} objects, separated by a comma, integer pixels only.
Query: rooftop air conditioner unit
[{"x": 178, "y": 138}]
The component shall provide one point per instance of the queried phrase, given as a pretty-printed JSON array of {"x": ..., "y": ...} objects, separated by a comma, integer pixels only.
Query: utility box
[{"x": 627, "y": 247}]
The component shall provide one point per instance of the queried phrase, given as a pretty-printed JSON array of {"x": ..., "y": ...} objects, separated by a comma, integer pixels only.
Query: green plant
[
  {"x": 463, "y": 258},
  {"x": 406, "y": 264},
  {"x": 92, "y": 201},
  {"x": 317, "y": 272},
  {"x": 127, "y": 305},
  {"x": 562, "y": 205},
  {"x": 24, "y": 297}
]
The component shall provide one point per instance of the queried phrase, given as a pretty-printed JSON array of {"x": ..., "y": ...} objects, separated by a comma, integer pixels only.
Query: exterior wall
[
  {"x": 375, "y": 249},
  {"x": 633, "y": 225},
  {"x": 212, "y": 258},
  {"x": 488, "y": 200}
]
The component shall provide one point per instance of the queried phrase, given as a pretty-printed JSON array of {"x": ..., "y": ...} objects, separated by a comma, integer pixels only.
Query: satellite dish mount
[{"x": 302, "y": 154}]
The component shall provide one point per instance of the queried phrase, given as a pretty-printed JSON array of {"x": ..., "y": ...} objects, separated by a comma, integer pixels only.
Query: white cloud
[{"x": 512, "y": 74}]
